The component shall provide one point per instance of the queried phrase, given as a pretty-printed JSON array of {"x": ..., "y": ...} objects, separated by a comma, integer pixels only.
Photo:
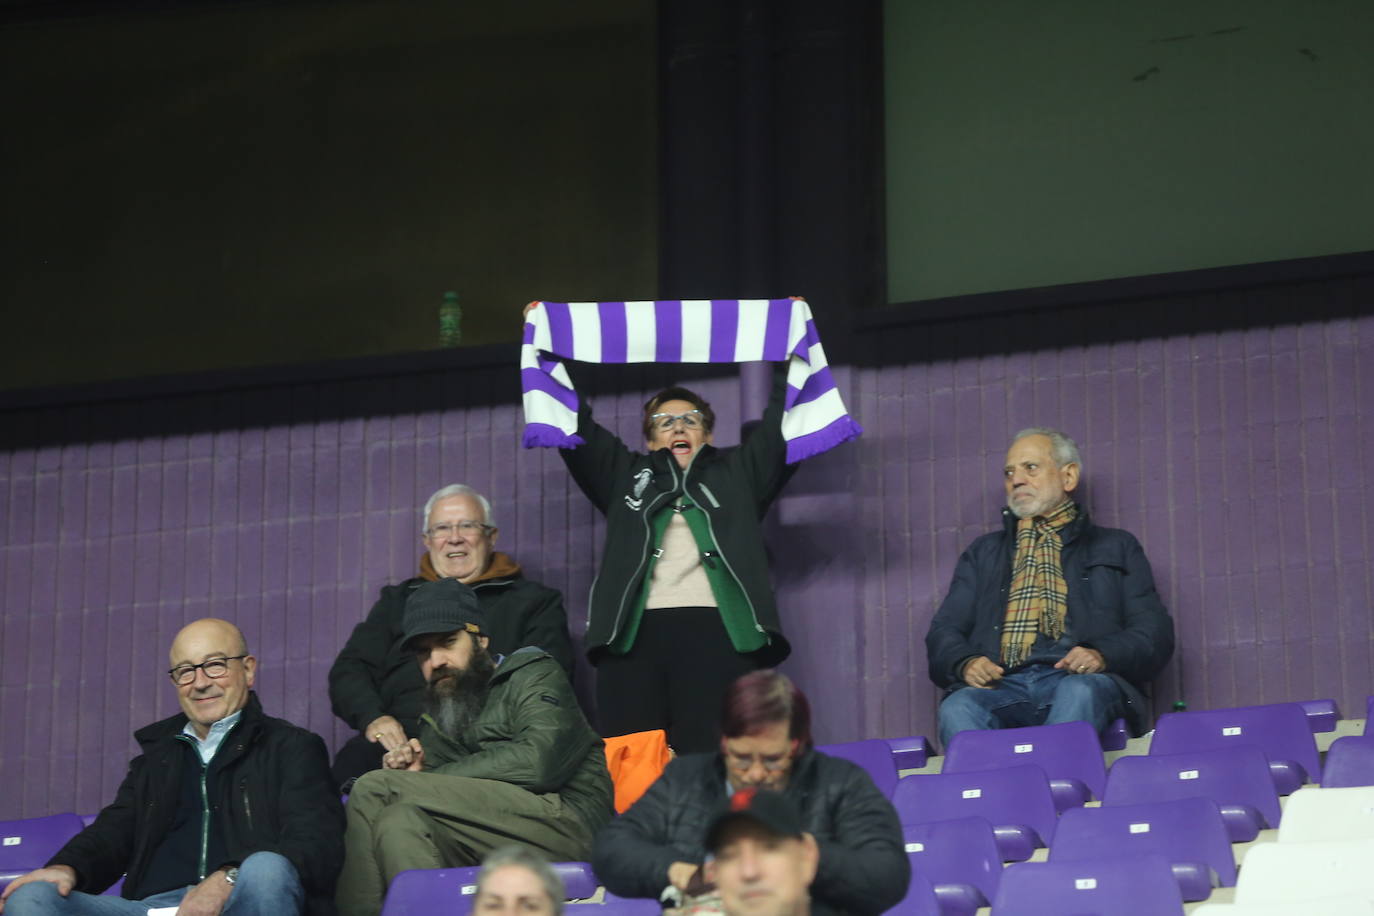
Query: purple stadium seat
[
  {"x": 1069, "y": 753},
  {"x": 1015, "y": 800},
  {"x": 1133, "y": 886},
  {"x": 1115, "y": 736},
  {"x": 959, "y": 857},
  {"x": 1187, "y": 832},
  {"x": 873, "y": 754},
  {"x": 1236, "y": 778},
  {"x": 920, "y": 900},
  {"x": 1281, "y": 730},
  {"x": 420, "y": 891},
  {"x": 1349, "y": 762},
  {"x": 1322, "y": 715},
  {"x": 28, "y": 844},
  {"x": 909, "y": 753}
]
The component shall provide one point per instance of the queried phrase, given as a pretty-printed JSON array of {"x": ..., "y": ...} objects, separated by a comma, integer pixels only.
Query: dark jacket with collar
[
  {"x": 733, "y": 486},
  {"x": 272, "y": 793},
  {"x": 532, "y": 734},
  {"x": 374, "y": 676},
  {"x": 863, "y": 863},
  {"x": 1112, "y": 607}
]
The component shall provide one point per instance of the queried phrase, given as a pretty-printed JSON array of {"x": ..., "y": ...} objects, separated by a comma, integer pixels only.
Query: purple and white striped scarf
[{"x": 680, "y": 331}]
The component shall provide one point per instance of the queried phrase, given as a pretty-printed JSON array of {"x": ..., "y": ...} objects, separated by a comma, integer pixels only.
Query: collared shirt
[{"x": 207, "y": 746}]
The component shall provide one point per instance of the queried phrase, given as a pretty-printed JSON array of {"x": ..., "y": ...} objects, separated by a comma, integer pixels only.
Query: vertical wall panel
[{"x": 1240, "y": 457}]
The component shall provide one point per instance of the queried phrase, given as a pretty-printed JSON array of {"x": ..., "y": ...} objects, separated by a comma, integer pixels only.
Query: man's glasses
[
  {"x": 446, "y": 530},
  {"x": 215, "y": 667},
  {"x": 666, "y": 421},
  {"x": 771, "y": 762}
]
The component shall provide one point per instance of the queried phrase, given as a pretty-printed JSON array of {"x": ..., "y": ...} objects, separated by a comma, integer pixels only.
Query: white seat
[
  {"x": 1328, "y": 814},
  {"x": 1297, "y": 872},
  {"x": 1327, "y": 906}
]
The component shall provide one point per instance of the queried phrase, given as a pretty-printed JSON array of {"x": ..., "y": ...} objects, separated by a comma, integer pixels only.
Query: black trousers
[{"x": 674, "y": 678}]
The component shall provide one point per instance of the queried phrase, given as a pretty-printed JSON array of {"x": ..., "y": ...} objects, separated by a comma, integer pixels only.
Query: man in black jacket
[
  {"x": 656, "y": 848},
  {"x": 376, "y": 687},
  {"x": 226, "y": 810},
  {"x": 1052, "y": 619}
]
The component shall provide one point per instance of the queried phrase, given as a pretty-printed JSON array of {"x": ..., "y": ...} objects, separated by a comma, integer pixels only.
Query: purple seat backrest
[
  {"x": 1322, "y": 715},
  {"x": 873, "y": 754},
  {"x": 909, "y": 753},
  {"x": 420, "y": 891},
  {"x": 28, "y": 844},
  {"x": 1349, "y": 762},
  {"x": 1236, "y": 775},
  {"x": 959, "y": 851},
  {"x": 1123, "y": 886},
  {"x": 1013, "y": 795},
  {"x": 1181, "y": 830},
  {"x": 1281, "y": 730},
  {"x": 1068, "y": 750}
]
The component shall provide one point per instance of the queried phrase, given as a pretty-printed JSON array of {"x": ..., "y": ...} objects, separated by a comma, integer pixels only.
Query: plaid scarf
[{"x": 1039, "y": 595}]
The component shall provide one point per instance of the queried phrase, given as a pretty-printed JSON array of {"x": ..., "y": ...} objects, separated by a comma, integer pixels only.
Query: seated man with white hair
[
  {"x": 1053, "y": 618},
  {"x": 376, "y": 687}
]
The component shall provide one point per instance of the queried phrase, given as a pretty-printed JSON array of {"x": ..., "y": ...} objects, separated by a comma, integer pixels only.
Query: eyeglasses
[
  {"x": 445, "y": 530},
  {"x": 771, "y": 762},
  {"x": 215, "y": 667},
  {"x": 666, "y": 421}
]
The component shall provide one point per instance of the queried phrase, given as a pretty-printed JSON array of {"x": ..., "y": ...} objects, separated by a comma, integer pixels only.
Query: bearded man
[
  {"x": 1052, "y": 619},
  {"x": 504, "y": 756},
  {"x": 374, "y": 685}
]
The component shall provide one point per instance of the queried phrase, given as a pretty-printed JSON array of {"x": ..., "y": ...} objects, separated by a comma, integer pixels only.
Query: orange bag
[{"x": 635, "y": 761}]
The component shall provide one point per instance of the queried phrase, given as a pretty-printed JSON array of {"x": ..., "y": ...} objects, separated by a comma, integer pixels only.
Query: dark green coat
[{"x": 531, "y": 734}]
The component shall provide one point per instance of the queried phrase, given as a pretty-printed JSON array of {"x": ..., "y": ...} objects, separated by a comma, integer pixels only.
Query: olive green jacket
[{"x": 531, "y": 734}]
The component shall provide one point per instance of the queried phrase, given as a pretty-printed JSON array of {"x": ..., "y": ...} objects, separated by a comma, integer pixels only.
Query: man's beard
[{"x": 455, "y": 698}]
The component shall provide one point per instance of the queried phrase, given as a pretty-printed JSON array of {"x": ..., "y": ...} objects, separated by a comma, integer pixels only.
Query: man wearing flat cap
[
  {"x": 763, "y": 861},
  {"x": 504, "y": 756}
]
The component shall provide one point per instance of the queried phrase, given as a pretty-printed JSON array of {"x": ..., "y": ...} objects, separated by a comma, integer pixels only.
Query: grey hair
[
  {"x": 1063, "y": 449},
  {"x": 524, "y": 857},
  {"x": 456, "y": 489}
]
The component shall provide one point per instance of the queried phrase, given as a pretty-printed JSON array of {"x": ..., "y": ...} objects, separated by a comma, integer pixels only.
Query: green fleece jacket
[{"x": 531, "y": 734}]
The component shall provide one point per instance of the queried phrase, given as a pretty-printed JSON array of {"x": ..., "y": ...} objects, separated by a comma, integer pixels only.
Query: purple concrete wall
[{"x": 1240, "y": 457}]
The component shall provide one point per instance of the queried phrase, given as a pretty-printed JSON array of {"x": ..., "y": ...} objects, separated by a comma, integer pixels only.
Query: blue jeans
[
  {"x": 1035, "y": 695},
  {"x": 267, "y": 885}
]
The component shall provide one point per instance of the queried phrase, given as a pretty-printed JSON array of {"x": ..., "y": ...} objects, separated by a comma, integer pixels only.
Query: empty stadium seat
[
  {"x": 1328, "y": 814},
  {"x": 1295, "y": 872},
  {"x": 420, "y": 891},
  {"x": 29, "y": 843},
  {"x": 1281, "y": 730},
  {"x": 909, "y": 753},
  {"x": 1115, "y": 736},
  {"x": 1070, "y": 754},
  {"x": 1322, "y": 715},
  {"x": 1349, "y": 762},
  {"x": 1236, "y": 778},
  {"x": 960, "y": 858},
  {"x": 873, "y": 754},
  {"x": 1119, "y": 886},
  {"x": 1187, "y": 832},
  {"x": 1015, "y": 800}
]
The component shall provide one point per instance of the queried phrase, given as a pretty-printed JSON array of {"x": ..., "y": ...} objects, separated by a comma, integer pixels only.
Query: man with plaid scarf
[{"x": 1052, "y": 619}]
